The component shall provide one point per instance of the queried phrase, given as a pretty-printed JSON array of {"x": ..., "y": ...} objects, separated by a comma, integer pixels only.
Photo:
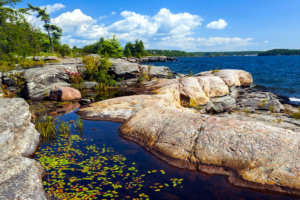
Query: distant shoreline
[{"x": 176, "y": 53}]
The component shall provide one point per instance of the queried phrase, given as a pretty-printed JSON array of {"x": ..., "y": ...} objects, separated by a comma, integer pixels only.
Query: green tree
[
  {"x": 65, "y": 50},
  {"x": 54, "y": 32},
  {"x": 128, "y": 50},
  {"x": 112, "y": 48}
]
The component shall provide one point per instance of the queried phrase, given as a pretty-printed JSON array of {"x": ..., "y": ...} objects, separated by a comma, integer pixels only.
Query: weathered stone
[
  {"x": 289, "y": 109},
  {"x": 232, "y": 77},
  {"x": 221, "y": 104},
  {"x": 38, "y": 58},
  {"x": 127, "y": 70},
  {"x": 193, "y": 90},
  {"x": 20, "y": 177},
  {"x": 213, "y": 86},
  {"x": 89, "y": 85},
  {"x": 39, "y": 81},
  {"x": 60, "y": 93},
  {"x": 247, "y": 150},
  {"x": 258, "y": 100},
  {"x": 51, "y": 58},
  {"x": 18, "y": 136}
]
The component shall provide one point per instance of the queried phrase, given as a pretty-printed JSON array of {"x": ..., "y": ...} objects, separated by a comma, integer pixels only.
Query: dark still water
[
  {"x": 98, "y": 164},
  {"x": 279, "y": 74}
]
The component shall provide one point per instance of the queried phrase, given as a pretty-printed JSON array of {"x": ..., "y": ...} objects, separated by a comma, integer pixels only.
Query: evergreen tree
[{"x": 54, "y": 32}]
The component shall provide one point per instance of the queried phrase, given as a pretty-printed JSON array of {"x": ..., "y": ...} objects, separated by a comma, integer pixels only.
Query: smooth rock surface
[
  {"x": 231, "y": 77},
  {"x": 39, "y": 81},
  {"x": 60, "y": 93},
  {"x": 127, "y": 70},
  {"x": 251, "y": 153},
  {"x": 20, "y": 177}
]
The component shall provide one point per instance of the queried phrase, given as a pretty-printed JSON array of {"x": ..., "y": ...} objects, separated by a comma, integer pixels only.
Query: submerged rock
[
  {"x": 253, "y": 154},
  {"x": 20, "y": 177},
  {"x": 60, "y": 93}
]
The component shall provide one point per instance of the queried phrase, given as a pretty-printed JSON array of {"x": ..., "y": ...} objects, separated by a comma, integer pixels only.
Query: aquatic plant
[
  {"x": 47, "y": 128},
  {"x": 63, "y": 128},
  {"x": 78, "y": 169},
  {"x": 79, "y": 125}
]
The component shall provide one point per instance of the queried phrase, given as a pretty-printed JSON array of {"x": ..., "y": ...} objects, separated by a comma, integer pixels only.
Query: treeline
[
  {"x": 277, "y": 52},
  {"x": 175, "y": 53},
  {"x": 19, "y": 39},
  {"x": 112, "y": 48}
]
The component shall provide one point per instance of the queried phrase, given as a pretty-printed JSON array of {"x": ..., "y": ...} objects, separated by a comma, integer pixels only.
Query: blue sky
[{"x": 210, "y": 25}]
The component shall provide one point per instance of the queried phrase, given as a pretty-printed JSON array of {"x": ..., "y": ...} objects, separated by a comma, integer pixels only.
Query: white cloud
[
  {"x": 220, "y": 24},
  {"x": 113, "y": 13},
  {"x": 164, "y": 30},
  {"x": 78, "y": 24},
  {"x": 53, "y": 8}
]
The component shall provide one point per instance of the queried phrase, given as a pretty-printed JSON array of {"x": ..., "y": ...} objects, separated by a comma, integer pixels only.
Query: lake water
[
  {"x": 98, "y": 164},
  {"x": 278, "y": 74}
]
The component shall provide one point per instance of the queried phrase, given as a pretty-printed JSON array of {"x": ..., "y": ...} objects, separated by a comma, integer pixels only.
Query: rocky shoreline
[
  {"x": 213, "y": 122},
  {"x": 256, "y": 153},
  {"x": 20, "y": 176}
]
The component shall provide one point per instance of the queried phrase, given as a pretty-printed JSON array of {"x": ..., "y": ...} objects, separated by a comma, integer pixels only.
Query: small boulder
[
  {"x": 51, "y": 58},
  {"x": 89, "y": 85},
  {"x": 60, "y": 93}
]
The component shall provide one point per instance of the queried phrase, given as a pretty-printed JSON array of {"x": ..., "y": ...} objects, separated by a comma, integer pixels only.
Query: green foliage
[
  {"x": 175, "y": 53},
  {"x": 105, "y": 47},
  {"x": 7, "y": 66},
  {"x": 277, "y": 52},
  {"x": 54, "y": 32},
  {"x": 97, "y": 70},
  {"x": 47, "y": 128},
  {"x": 31, "y": 63},
  {"x": 112, "y": 48},
  {"x": 296, "y": 115},
  {"x": 65, "y": 50},
  {"x": 143, "y": 77},
  {"x": 137, "y": 49}
]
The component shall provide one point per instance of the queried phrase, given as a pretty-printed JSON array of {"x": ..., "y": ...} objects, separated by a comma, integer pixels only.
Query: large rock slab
[
  {"x": 127, "y": 70},
  {"x": 39, "y": 81},
  {"x": 20, "y": 177},
  {"x": 18, "y": 136},
  {"x": 251, "y": 153},
  {"x": 231, "y": 77}
]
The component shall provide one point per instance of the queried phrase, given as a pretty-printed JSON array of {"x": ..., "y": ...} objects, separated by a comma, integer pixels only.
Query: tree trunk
[{"x": 50, "y": 41}]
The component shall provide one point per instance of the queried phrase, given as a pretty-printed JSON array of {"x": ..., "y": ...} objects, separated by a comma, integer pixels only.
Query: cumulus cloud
[
  {"x": 164, "y": 30},
  {"x": 53, "y": 8},
  {"x": 78, "y": 24},
  {"x": 220, "y": 24}
]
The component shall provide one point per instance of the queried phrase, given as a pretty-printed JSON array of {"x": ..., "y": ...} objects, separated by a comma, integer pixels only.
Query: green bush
[
  {"x": 97, "y": 70},
  {"x": 31, "y": 63}
]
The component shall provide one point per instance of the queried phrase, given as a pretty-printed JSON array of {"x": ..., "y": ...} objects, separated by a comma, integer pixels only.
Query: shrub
[
  {"x": 296, "y": 115},
  {"x": 7, "y": 66},
  {"x": 97, "y": 70},
  {"x": 75, "y": 77},
  {"x": 31, "y": 63}
]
